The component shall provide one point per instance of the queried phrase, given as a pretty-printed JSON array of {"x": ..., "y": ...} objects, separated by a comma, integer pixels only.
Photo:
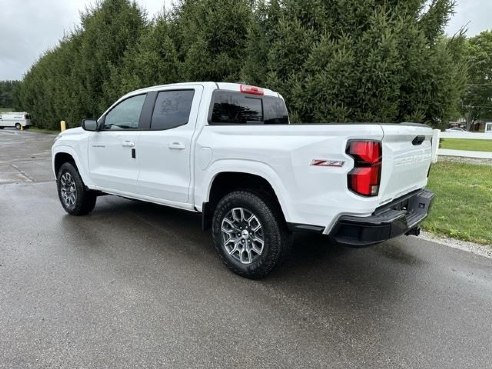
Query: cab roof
[{"x": 239, "y": 87}]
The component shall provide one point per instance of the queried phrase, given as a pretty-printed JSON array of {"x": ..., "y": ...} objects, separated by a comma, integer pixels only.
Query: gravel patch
[{"x": 475, "y": 248}]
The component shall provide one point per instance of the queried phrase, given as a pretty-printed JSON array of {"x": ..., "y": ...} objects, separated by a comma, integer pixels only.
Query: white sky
[{"x": 30, "y": 27}]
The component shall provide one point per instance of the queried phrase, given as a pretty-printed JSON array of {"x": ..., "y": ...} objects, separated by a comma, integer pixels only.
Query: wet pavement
[
  {"x": 25, "y": 156},
  {"x": 138, "y": 285}
]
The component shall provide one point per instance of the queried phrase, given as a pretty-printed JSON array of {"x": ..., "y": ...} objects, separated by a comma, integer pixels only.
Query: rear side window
[
  {"x": 172, "y": 109},
  {"x": 237, "y": 108},
  {"x": 275, "y": 110}
]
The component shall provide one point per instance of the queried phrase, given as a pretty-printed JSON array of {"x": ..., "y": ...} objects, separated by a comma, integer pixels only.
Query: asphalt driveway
[{"x": 138, "y": 285}]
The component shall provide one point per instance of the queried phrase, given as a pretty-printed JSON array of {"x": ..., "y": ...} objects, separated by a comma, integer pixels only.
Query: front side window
[
  {"x": 172, "y": 109},
  {"x": 125, "y": 115}
]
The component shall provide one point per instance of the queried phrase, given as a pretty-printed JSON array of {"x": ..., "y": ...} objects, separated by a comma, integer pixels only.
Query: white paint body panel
[
  {"x": 164, "y": 158},
  {"x": 110, "y": 163},
  {"x": 281, "y": 154}
]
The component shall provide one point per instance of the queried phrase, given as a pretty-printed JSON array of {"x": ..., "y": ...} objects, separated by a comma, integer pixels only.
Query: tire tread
[
  {"x": 279, "y": 237},
  {"x": 86, "y": 199}
]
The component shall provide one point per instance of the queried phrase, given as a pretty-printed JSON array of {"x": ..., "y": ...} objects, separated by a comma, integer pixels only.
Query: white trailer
[
  {"x": 488, "y": 127},
  {"x": 15, "y": 119}
]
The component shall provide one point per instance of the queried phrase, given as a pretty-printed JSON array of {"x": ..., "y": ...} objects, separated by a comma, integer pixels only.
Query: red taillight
[
  {"x": 253, "y": 90},
  {"x": 365, "y": 181},
  {"x": 367, "y": 151},
  {"x": 365, "y": 178}
]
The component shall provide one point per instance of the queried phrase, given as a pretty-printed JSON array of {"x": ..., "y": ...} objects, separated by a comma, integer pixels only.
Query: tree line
[
  {"x": 7, "y": 90},
  {"x": 477, "y": 96},
  {"x": 332, "y": 60}
]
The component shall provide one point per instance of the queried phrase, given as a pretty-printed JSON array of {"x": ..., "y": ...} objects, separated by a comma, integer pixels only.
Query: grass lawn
[
  {"x": 5, "y": 110},
  {"x": 463, "y": 205},
  {"x": 465, "y": 144}
]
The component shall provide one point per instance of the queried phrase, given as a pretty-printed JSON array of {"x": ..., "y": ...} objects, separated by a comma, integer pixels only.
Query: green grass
[
  {"x": 463, "y": 205},
  {"x": 465, "y": 144},
  {"x": 5, "y": 110}
]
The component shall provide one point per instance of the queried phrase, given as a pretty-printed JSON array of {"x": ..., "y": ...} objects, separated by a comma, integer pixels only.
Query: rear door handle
[
  {"x": 128, "y": 144},
  {"x": 176, "y": 146}
]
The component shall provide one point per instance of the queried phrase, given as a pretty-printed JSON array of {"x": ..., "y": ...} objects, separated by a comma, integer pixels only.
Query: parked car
[
  {"x": 227, "y": 151},
  {"x": 488, "y": 127},
  {"x": 456, "y": 129},
  {"x": 15, "y": 119}
]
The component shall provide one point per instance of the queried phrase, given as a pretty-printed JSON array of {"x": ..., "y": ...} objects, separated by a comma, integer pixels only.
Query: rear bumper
[{"x": 402, "y": 216}]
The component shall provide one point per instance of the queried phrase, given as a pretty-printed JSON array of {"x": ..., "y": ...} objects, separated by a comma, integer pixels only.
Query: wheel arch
[
  {"x": 224, "y": 182},
  {"x": 62, "y": 158},
  {"x": 64, "y": 154}
]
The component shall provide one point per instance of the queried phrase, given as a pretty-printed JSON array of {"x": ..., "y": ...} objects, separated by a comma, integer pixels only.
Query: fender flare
[
  {"x": 256, "y": 168},
  {"x": 63, "y": 149}
]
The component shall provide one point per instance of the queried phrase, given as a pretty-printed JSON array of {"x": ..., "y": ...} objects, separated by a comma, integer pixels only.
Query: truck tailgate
[{"x": 407, "y": 153}]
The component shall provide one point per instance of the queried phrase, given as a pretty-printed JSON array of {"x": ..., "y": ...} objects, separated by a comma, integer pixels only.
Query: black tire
[
  {"x": 18, "y": 126},
  {"x": 70, "y": 183},
  {"x": 276, "y": 237}
]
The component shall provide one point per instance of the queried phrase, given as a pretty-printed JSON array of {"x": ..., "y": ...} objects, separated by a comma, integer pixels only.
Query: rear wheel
[
  {"x": 74, "y": 197},
  {"x": 250, "y": 234},
  {"x": 17, "y": 126}
]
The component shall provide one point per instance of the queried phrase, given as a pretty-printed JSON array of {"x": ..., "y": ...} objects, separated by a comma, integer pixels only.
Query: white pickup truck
[{"x": 228, "y": 151}]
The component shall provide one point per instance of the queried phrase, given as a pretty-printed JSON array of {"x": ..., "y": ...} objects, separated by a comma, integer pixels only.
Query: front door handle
[
  {"x": 176, "y": 146},
  {"x": 128, "y": 144}
]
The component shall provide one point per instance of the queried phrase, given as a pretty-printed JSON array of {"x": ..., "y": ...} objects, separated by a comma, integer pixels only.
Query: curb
[{"x": 474, "y": 248}]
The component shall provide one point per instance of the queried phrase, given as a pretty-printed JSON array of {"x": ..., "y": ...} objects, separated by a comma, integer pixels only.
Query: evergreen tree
[
  {"x": 68, "y": 82},
  {"x": 261, "y": 34},
  {"x": 153, "y": 61},
  {"x": 211, "y": 38},
  {"x": 333, "y": 60},
  {"x": 360, "y": 60},
  {"x": 109, "y": 31},
  {"x": 477, "y": 101},
  {"x": 7, "y": 93}
]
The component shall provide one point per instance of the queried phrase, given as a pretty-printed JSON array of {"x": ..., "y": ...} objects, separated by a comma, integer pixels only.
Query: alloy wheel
[
  {"x": 242, "y": 235},
  {"x": 68, "y": 189}
]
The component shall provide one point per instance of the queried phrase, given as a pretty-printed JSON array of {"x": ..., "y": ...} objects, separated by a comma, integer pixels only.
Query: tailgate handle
[{"x": 418, "y": 140}]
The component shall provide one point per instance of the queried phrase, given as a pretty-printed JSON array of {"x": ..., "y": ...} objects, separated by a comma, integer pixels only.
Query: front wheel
[
  {"x": 250, "y": 234},
  {"x": 17, "y": 126},
  {"x": 74, "y": 197}
]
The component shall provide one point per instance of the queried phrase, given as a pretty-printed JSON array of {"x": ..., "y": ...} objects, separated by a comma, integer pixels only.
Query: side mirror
[{"x": 89, "y": 125}]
